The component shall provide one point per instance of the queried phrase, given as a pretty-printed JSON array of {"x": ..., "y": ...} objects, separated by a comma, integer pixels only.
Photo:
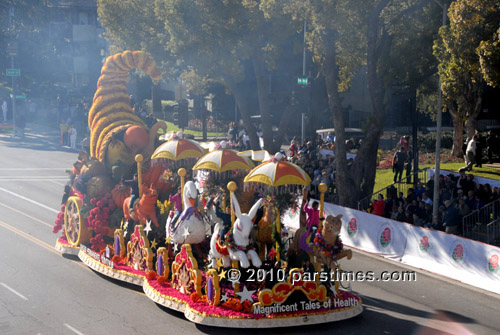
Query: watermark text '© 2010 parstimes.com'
[{"x": 280, "y": 275}]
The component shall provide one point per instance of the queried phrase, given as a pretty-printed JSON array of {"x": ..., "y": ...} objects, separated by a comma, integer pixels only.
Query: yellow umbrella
[
  {"x": 278, "y": 173},
  {"x": 223, "y": 160}
]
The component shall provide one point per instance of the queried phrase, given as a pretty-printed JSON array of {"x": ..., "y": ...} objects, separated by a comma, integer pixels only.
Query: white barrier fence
[{"x": 465, "y": 260}]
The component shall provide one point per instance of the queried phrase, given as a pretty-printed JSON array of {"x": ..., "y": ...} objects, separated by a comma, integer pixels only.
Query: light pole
[
  {"x": 439, "y": 117},
  {"x": 11, "y": 16}
]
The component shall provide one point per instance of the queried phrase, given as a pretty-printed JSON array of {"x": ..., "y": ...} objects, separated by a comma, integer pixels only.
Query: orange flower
[
  {"x": 116, "y": 259},
  {"x": 195, "y": 297},
  {"x": 247, "y": 306},
  {"x": 161, "y": 280}
]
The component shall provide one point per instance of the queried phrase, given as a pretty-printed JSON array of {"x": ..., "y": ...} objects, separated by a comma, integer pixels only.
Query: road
[{"x": 42, "y": 292}]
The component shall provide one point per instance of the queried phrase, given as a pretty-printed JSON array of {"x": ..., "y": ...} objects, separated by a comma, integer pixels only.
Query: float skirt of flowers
[
  {"x": 64, "y": 247},
  {"x": 347, "y": 306},
  {"x": 100, "y": 263}
]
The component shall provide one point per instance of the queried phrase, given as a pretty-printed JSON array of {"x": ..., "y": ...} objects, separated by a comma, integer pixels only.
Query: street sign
[
  {"x": 21, "y": 96},
  {"x": 12, "y": 49},
  {"x": 302, "y": 81},
  {"x": 13, "y": 72}
]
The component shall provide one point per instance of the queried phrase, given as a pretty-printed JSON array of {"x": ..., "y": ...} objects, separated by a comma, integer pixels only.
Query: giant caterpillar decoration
[{"x": 116, "y": 133}]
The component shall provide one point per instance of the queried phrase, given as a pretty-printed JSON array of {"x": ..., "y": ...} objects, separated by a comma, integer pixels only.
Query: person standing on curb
[
  {"x": 470, "y": 154},
  {"x": 72, "y": 136},
  {"x": 398, "y": 164},
  {"x": 5, "y": 109}
]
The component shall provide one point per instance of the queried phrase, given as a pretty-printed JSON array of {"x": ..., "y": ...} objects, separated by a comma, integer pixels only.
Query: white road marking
[
  {"x": 73, "y": 329},
  {"x": 32, "y": 169},
  {"x": 29, "y": 200},
  {"x": 33, "y": 177},
  {"x": 55, "y": 182},
  {"x": 14, "y": 291},
  {"x": 29, "y": 216}
]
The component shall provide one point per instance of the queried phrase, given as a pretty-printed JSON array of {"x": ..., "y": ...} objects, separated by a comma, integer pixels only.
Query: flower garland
[
  {"x": 328, "y": 249},
  {"x": 231, "y": 244}
]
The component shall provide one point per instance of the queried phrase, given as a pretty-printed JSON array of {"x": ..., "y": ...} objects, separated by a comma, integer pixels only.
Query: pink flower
[
  {"x": 425, "y": 241},
  {"x": 93, "y": 201},
  {"x": 353, "y": 224},
  {"x": 386, "y": 235},
  {"x": 60, "y": 215},
  {"x": 459, "y": 251},
  {"x": 494, "y": 261},
  {"x": 99, "y": 204}
]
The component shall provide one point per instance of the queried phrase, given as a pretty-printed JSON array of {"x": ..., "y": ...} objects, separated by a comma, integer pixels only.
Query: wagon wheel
[{"x": 74, "y": 226}]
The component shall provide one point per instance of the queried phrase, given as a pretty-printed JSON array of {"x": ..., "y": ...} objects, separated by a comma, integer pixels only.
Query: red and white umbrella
[{"x": 177, "y": 149}]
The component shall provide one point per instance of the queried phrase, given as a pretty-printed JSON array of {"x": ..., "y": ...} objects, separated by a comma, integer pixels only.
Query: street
[{"x": 42, "y": 292}]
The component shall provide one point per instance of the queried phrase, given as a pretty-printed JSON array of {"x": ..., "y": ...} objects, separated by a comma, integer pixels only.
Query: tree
[
  {"x": 489, "y": 58},
  {"x": 344, "y": 36},
  {"x": 458, "y": 50},
  {"x": 38, "y": 56}
]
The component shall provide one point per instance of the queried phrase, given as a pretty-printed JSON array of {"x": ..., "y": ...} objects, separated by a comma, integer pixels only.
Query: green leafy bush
[{"x": 427, "y": 142}]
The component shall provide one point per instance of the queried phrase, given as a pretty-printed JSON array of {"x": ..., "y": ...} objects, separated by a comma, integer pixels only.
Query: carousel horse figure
[
  {"x": 189, "y": 227},
  {"x": 237, "y": 243},
  {"x": 144, "y": 208},
  {"x": 263, "y": 233},
  {"x": 327, "y": 248}
]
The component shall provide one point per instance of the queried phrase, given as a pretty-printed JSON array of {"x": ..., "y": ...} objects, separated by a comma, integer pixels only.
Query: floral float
[{"x": 181, "y": 264}]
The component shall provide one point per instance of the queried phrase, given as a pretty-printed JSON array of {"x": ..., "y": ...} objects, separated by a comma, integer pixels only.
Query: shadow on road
[{"x": 36, "y": 138}]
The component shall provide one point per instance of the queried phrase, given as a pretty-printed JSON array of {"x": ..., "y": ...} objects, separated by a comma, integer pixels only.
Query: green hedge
[{"x": 427, "y": 142}]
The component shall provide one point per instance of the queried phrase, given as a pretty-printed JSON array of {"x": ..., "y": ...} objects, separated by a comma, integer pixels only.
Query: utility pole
[
  {"x": 11, "y": 17},
  {"x": 439, "y": 118}
]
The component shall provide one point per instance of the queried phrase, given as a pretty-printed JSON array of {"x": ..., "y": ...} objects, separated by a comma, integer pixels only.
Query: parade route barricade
[{"x": 471, "y": 262}]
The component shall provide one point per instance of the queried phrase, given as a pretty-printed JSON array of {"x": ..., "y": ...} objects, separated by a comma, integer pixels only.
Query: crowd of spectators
[
  {"x": 318, "y": 161},
  {"x": 458, "y": 196}
]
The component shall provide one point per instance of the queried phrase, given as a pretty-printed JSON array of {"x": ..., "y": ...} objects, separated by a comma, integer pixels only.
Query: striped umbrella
[
  {"x": 177, "y": 149},
  {"x": 223, "y": 160},
  {"x": 278, "y": 173}
]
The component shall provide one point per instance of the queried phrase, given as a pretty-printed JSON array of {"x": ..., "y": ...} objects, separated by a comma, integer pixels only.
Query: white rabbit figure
[{"x": 241, "y": 234}]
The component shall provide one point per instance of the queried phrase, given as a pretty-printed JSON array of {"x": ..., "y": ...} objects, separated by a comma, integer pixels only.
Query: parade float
[{"x": 199, "y": 231}]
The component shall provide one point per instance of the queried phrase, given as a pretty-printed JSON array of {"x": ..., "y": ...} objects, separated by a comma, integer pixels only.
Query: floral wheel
[{"x": 74, "y": 226}]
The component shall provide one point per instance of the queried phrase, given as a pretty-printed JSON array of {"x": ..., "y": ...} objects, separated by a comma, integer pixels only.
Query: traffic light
[{"x": 175, "y": 115}]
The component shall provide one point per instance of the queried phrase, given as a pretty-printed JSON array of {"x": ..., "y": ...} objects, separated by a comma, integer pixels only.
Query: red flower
[
  {"x": 161, "y": 280},
  {"x": 494, "y": 261},
  {"x": 116, "y": 259},
  {"x": 386, "y": 235},
  {"x": 151, "y": 275},
  {"x": 100, "y": 204},
  {"x": 353, "y": 224},
  {"x": 93, "y": 201}
]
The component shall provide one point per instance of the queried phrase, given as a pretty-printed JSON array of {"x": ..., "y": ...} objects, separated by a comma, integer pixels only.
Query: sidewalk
[{"x": 37, "y": 136}]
